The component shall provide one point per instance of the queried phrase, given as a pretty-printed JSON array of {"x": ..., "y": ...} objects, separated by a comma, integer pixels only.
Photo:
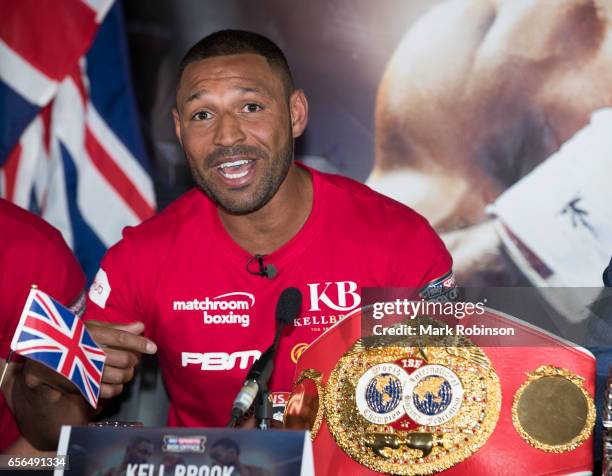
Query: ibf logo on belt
[{"x": 229, "y": 308}]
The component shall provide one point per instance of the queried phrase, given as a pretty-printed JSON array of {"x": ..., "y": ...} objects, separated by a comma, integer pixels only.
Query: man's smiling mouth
[{"x": 235, "y": 169}]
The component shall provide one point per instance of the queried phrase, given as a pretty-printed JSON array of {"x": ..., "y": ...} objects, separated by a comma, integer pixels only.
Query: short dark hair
[
  {"x": 227, "y": 443},
  {"x": 235, "y": 42}
]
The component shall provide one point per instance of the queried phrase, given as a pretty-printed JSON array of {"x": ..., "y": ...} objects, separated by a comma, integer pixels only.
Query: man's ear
[
  {"x": 298, "y": 108},
  {"x": 177, "y": 124}
]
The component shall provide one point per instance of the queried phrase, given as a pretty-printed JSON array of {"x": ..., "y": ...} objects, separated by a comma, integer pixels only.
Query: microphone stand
[
  {"x": 255, "y": 387},
  {"x": 263, "y": 404},
  {"x": 263, "y": 409}
]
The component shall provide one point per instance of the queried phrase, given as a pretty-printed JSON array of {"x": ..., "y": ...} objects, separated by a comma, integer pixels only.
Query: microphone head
[{"x": 288, "y": 306}]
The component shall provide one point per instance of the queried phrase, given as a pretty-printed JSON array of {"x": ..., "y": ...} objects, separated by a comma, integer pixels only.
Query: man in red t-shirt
[
  {"x": 184, "y": 276},
  {"x": 31, "y": 252},
  {"x": 199, "y": 276}
]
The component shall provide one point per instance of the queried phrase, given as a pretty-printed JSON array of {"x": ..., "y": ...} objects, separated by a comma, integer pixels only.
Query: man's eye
[
  {"x": 252, "y": 107},
  {"x": 201, "y": 116}
]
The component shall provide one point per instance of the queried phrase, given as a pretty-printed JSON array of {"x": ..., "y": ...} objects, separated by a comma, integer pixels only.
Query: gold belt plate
[{"x": 412, "y": 410}]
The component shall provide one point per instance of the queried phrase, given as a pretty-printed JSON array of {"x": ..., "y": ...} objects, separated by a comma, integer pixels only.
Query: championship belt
[
  {"x": 402, "y": 405},
  {"x": 607, "y": 427}
]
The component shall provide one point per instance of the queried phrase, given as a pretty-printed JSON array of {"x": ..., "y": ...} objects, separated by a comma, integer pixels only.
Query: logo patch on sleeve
[
  {"x": 441, "y": 289},
  {"x": 78, "y": 306},
  {"x": 100, "y": 289}
]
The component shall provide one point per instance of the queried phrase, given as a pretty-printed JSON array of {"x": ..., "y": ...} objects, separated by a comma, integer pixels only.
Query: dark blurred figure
[
  {"x": 607, "y": 275},
  {"x": 226, "y": 452},
  {"x": 139, "y": 451}
]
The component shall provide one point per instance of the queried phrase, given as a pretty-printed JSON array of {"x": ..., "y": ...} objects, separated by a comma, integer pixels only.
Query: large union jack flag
[
  {"x": 70, "y": 144},
  {"x": 50, "y": 334}
]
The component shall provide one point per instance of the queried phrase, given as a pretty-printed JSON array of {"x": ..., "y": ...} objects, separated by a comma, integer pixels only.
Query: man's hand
[
  {"x": 123, "y": 346},
  {"x": 40, "y": 394}
]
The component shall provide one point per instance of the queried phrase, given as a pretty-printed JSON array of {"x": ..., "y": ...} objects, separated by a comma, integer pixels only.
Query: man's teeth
[
  {"x": 235, "y": 176},
  {"x": 235, "y": 164}
]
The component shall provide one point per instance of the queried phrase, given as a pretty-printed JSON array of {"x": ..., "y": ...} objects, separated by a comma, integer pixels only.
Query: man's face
[
  {"x": 140, "y": 452},
  {"x": 234, "y": 123},
  {"x": 224, "y": 455}
]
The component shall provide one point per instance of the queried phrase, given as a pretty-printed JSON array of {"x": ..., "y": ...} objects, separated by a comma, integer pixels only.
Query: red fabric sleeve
[
  {"x": 44, "y": 260},
  {"x": 115, "y": 294},
  {"x": 31, "y": 252},
  {"x": 418, "y": 258}
]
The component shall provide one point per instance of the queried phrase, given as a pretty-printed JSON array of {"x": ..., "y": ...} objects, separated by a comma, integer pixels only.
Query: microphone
[
  {"x": 287, "y": 308},
  {"x": 265, "y": 271}
]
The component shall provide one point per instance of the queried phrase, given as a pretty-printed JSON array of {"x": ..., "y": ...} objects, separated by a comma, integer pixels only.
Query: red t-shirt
[
  {"x": 31, "y": 252},
  {"x": 186, "y": 279}
]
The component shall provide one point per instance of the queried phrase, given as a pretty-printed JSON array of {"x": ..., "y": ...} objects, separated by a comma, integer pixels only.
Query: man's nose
[{"x": 228, "y": 131}]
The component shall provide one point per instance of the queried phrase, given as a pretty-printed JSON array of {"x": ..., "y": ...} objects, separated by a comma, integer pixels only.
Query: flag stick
[{"x": 6, "y": 364}]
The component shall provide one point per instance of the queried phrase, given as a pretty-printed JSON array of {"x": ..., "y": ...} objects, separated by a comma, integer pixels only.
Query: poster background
[
  {"x": 442, "y": 105},
  {"x": 337, "y": 51},
  {"x": 107, "y": 451}
]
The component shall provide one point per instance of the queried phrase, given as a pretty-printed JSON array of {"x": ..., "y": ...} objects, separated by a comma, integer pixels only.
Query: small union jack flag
[{"x": 52, "y": 335}]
